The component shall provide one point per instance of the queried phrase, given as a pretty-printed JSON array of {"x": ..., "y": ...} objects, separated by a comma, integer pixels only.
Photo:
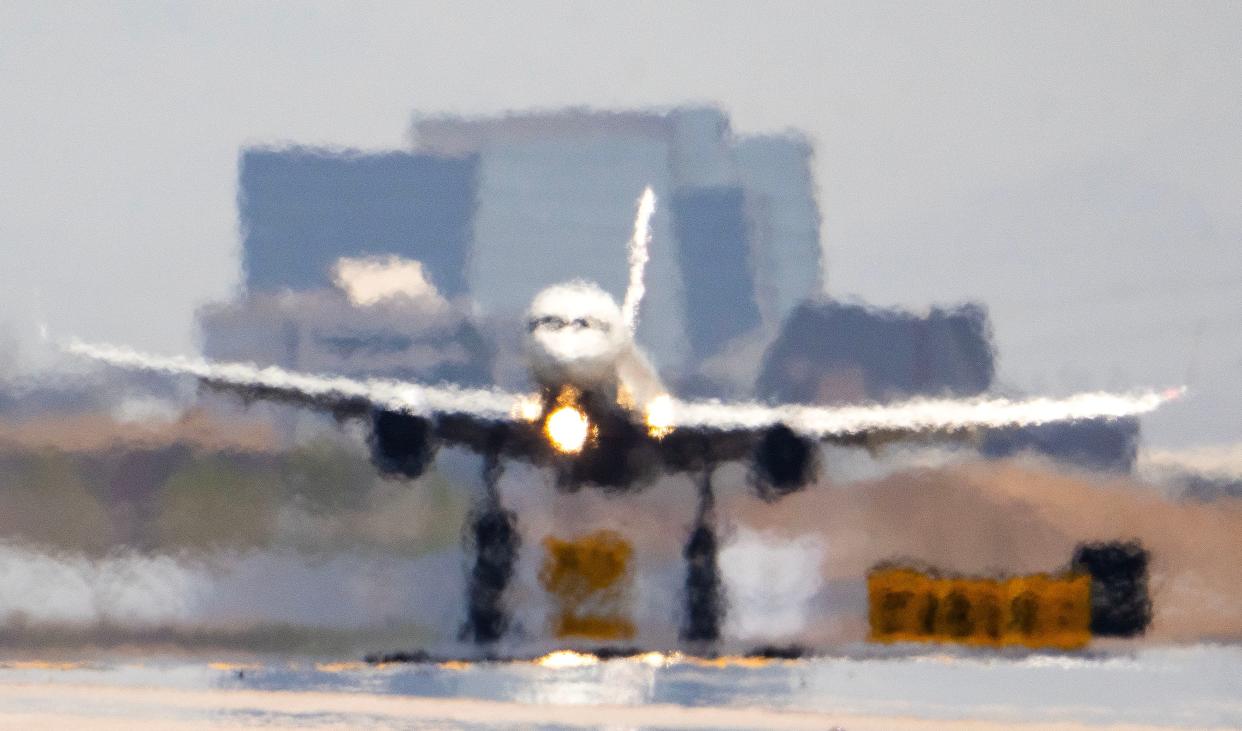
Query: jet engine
[
  {"x": 783, "y": 463},
  {"x": 401, "y": 444}
]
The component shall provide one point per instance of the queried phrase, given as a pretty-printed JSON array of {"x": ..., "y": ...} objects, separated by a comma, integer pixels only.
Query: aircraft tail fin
[{"x": 638, "y": 258}]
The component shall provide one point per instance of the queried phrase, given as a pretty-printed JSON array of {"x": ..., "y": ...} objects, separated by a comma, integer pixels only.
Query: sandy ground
[{"x": 40, "y": 706}]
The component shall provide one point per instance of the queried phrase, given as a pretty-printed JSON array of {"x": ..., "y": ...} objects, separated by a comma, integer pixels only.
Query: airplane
[{"x": 601, "y": 418}]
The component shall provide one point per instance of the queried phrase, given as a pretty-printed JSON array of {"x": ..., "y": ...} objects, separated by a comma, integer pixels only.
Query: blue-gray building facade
[{"x": 498, "y": 208}]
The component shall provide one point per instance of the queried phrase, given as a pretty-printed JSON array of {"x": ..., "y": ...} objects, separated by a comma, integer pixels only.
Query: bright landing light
[
  {"x": 567, "y": 428},
  {"x": 660, "y": 416}
]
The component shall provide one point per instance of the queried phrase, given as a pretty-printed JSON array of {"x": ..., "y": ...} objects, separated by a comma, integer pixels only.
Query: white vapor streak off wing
[
  {"x": 915, "y": 415},
  {"x": 388, "y": 394},
  {"x": 638, "y": 258}
]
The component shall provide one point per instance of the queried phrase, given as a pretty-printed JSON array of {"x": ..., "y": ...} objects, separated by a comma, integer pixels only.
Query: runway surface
[{"x": 1188, "y": 687}]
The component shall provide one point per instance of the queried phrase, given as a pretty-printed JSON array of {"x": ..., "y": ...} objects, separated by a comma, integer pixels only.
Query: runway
[
  {"x": 1159, "y": 688},
  {"x": 126, "y": 709}
]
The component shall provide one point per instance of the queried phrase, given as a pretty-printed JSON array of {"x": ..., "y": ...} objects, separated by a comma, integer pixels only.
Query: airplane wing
[
  {"x": 332, "y": 393},
  {"x": 914, "y": 416},
  {"x": 691, "y": 434},
  {"x": 779, "y": 439}
]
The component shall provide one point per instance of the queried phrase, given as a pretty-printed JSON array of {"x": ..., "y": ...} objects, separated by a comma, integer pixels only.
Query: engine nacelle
[
  {"x": 784, "y": 462},
  {"x": 401, "y": 444}
]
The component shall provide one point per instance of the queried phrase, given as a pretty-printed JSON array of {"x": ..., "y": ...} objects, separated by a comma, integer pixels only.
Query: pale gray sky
[{"x": 1075, "y": 167}]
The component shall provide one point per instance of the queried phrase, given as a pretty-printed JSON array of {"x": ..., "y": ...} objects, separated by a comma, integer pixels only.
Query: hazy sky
[{"x": 1076, "y": 169}]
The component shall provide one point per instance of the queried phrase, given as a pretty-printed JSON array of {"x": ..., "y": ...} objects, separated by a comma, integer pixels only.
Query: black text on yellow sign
[{"x": 1038, "y": 610}]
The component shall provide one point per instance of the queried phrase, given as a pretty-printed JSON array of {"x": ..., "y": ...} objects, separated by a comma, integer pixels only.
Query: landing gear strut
[
  {"x": 493, "y": 536},
  {"x": 704, "y": 596}
]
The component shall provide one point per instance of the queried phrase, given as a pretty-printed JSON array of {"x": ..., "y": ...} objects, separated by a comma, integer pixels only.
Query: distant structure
[
  {"x": 835, "y": 353},
  {"x": 497, "y": 208},
  {"x": 303, "y": 209},
  {"x": 1099, "y": 444},
  {"x": 324, "y": 332},
  {"x": 736, "y": 234}
]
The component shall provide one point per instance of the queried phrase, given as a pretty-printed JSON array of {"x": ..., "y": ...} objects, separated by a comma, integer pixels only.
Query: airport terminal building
[{"x": 495, "y": 209}]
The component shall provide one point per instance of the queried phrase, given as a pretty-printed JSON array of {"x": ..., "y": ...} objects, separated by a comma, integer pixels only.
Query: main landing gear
[
  {"x": 704, "y": 605},
  {"x": 493, "y": 536}
]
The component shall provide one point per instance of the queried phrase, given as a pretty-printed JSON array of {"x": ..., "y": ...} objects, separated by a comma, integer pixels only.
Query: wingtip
[{"x": 1173, "y": 394}]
